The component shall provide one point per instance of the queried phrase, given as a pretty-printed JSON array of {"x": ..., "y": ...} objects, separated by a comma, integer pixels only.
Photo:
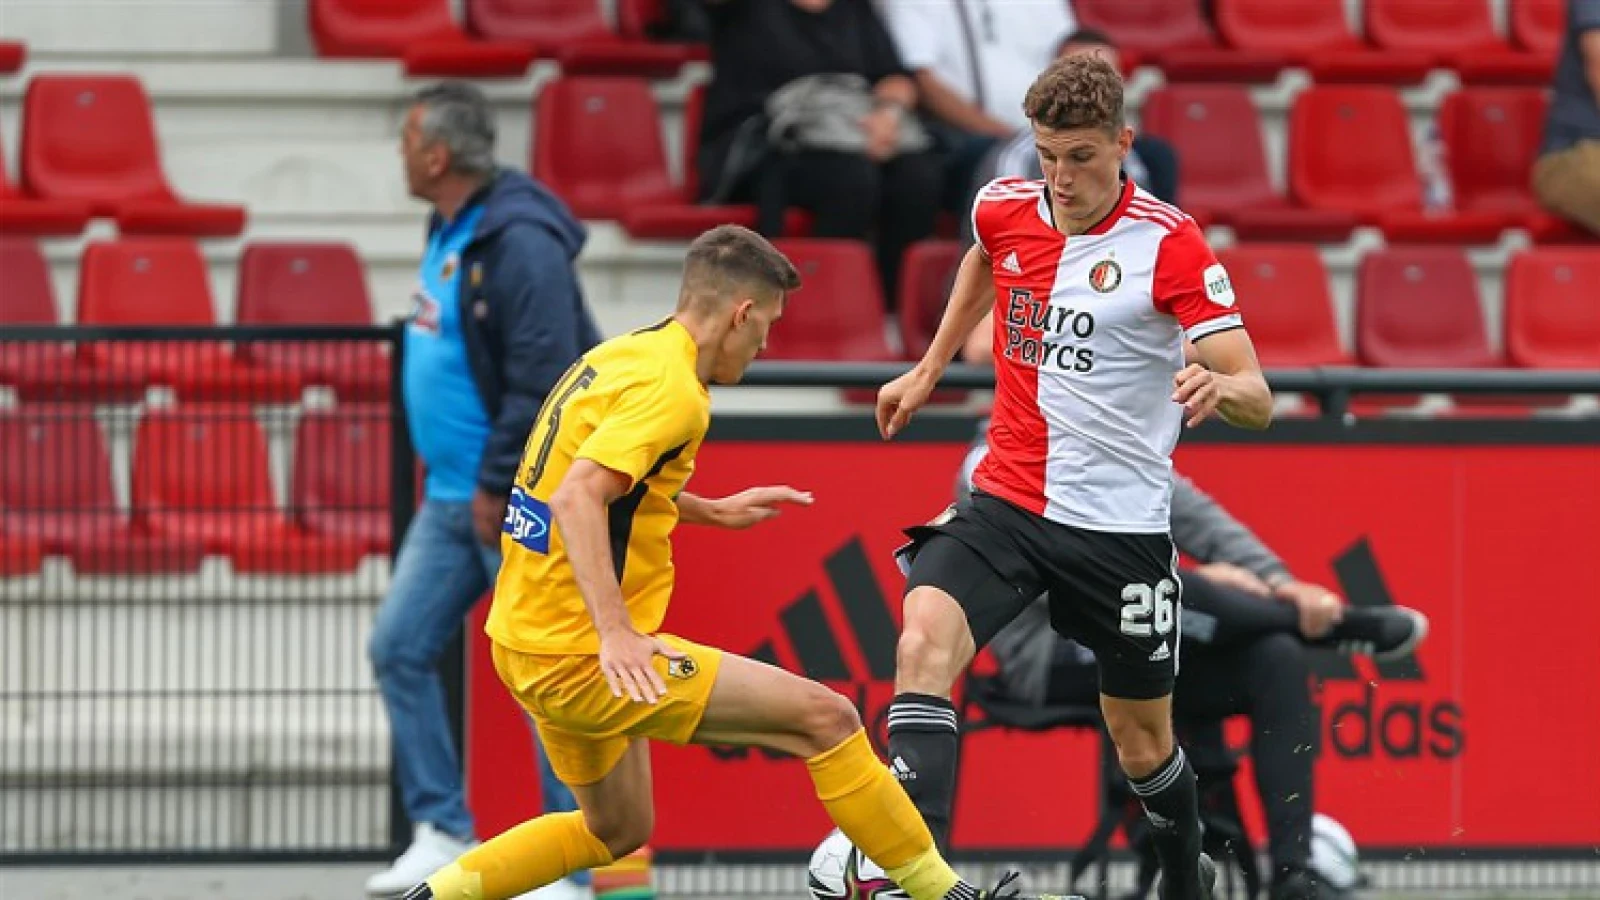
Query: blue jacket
[{"x": 522, "y": 312}]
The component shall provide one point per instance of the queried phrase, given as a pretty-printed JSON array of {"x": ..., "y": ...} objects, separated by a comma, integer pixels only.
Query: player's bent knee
[
  {"x": 622, "y": 831},
  {"x": 1142, "y": 744},
  {"x": 924, "y": 663},
  {"x": 829, "y": 718}
]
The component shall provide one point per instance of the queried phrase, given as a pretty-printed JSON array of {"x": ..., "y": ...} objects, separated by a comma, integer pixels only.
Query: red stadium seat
[
  {"x": 1288, "y": 306},
  {"x": 1539, "y": 25},
  {"x": 574, "y": 32},
  {"x": 1374, "y": 178},
  {"x": 12, "y": 55},
  {"x": 681, "y": 217},
  {"x": 1418, "y": 308},
  {"x": 31, "y": 367},
  {"x": 341, "y": 482},
  {"x": 91, "y": 139},
  {"x": 311, "y": 284},
  {"x": 1217, "y": 134},
  {"x": 55, "y": 490},
  {"x": 925, "y": 277},
  {"x": 201, "y": 473},
  {"x": 1459, "y": 34},
  {"x": 1552, "y": 320},
  {"x": 421, "y": 33},
  {"x": 161, "y": 281},
  {"x": 1314, "y": 34},
  {"x": 1174, "y": 35},
  {"x": 21, "y": 214},
  {"x": 838, "y": 312},
  {"x": 1545, "y": 228},
  {"x": 1492, "y": 138},
  {"x": 598, "y": 143}
]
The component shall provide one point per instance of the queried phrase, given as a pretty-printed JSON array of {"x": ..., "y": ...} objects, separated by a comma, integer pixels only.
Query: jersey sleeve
[
  {"x": 990, "y": 215},
  {"x": 1192, "y": 286},
  {"x": 649, "y": 417}
]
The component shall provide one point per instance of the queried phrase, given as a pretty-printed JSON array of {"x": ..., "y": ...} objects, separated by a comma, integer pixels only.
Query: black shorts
[{"x": 1117, "y": 594}]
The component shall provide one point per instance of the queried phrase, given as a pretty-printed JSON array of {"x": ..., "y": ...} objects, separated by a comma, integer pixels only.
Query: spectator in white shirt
[{"x": 973, "y": 61}]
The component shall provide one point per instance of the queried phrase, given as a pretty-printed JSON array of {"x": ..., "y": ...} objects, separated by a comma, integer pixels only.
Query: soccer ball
[
  {"x": 841, "y": 872},
  {"x": 1334, "y": 856}
]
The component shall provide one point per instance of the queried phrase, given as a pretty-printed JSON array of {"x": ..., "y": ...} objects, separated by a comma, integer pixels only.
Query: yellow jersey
[{"x": 634, "y": 405}]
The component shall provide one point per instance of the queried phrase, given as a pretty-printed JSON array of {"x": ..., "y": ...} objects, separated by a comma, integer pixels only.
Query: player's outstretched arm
[
  {"x": 580, "y": 508},
  {"x": 970, "y": 297},
  {"x": 1228, "y": 383},
  {"x": 748, "y": 507}
]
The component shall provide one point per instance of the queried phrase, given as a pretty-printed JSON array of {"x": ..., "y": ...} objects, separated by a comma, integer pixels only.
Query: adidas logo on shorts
[{"x": 1161, "y": 653}]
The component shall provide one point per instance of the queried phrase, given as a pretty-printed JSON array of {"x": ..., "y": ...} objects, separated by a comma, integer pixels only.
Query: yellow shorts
[{"x": 584, "y": 729}]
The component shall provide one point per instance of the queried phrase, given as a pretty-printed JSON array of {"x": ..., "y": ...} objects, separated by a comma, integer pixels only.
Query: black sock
[
  {"x": 1172, "y": 804},
  {"x": 922, "y": 754}
]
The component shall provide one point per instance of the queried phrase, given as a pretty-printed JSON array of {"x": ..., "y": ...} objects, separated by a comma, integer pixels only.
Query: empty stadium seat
[
  {"x": 90, "y": 138},
  {"x": 341, "y": 482},
  {"x": 1287, "y": 304},
  {"x": 925, "y": 277},
  {"x": 12, "y": 55},
  {"x": 1174, "y": 35},
  {"x": 1458, "y": 34},
  {"x": 1492, "y": 138},
  {"x": 1418, "y": 307},
  {"x": 1552, "y": 320},
  {"x": 597, "y": 142},
  {"x": 201, "y": 473},
  {"x": 838, "y": 312},
  {"x": 1217, "y": 134},
  {"x": 423, "y": 34},
  {"x": 1315, "y": 34},
  {"x": 55, "y": 490},
  {"x": 29, "y": 367},
  {"x": 1538, "y": 25},
  {"x": 311, "y": 284},
  {"x": 21, "y": 214},
  {"x": 576, "y": 35},
  {"x": 161, "y": 281},
  {"x": 1375, "y": 177}
]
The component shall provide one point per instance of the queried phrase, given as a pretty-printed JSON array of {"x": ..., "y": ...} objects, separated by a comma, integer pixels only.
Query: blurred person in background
[
  {"x": 872, "y": 176},
  {"x": 1566, "y": 179},
  {"x": 973, "y": 61},
  {"x": 498, "y": 316},
  {"x": 1152, "y": 163}
]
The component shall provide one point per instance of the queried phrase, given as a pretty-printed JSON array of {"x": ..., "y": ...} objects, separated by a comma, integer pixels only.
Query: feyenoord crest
[{"x": 1105, "y": 276}]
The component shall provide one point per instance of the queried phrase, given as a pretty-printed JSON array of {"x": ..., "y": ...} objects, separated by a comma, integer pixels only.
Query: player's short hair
[
  {"x": 730, "y": 260},
  {"x": 459, "y": 114},
  {"x": 1079, "y": 91}
]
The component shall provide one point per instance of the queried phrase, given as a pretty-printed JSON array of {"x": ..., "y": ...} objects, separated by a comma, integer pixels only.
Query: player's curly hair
[
  {"x": 731, "y": 259},
  {"x": 1077, "y": 91}
]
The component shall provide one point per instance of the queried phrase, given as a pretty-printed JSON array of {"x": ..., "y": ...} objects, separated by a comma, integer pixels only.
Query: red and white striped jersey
[{"x": 1088, "y": 334}]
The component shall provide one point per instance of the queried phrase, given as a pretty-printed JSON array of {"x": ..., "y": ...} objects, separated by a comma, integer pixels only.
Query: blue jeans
[{"x": 441, "y": 572}]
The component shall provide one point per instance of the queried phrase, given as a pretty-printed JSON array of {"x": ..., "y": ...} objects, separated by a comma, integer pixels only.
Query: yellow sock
[
  {"x": 873, "y": 811},
  {"x": 528, "y": 856}
]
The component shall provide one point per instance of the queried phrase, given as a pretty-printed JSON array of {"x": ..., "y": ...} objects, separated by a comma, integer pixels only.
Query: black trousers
[
  {"x": 1262, "y": 672},
  {"x": 892, "y": 204}
]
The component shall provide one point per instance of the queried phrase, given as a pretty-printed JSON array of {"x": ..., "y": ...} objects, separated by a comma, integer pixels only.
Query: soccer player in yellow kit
[{"x": 586, "y": 581}]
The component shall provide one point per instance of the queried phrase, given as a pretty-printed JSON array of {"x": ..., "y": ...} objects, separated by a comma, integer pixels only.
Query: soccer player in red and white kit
[{"x": 1094, "y": 285}]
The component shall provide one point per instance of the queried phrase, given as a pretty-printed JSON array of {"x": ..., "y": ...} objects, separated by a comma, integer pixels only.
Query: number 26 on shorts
[{"x": 1148, "y": 609}]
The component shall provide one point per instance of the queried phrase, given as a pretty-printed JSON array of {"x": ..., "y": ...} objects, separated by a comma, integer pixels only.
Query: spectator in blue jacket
[{"x": 498, "y": 316}]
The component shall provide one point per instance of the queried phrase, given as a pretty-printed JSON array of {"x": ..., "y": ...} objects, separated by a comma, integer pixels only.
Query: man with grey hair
[{"x": 498, "y": 317}]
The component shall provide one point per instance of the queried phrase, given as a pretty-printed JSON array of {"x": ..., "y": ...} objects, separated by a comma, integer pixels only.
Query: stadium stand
[
  {"x": 1291, "y": 313},
  {"x": 310, "y": 284},
  {"x": 1552, "y": 320},
  {"x": 577, "y": 36},
  {"x": 1459, "y": 35},
  {"x": 1419, "y": 308},
  {"x": 838, "y": 313},
  {"x": 422, "y": 33},
  {"x": 21, "y": 214},
  {"x": 92, "y": 139},
  {"x": 1316, "y": 35}
]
